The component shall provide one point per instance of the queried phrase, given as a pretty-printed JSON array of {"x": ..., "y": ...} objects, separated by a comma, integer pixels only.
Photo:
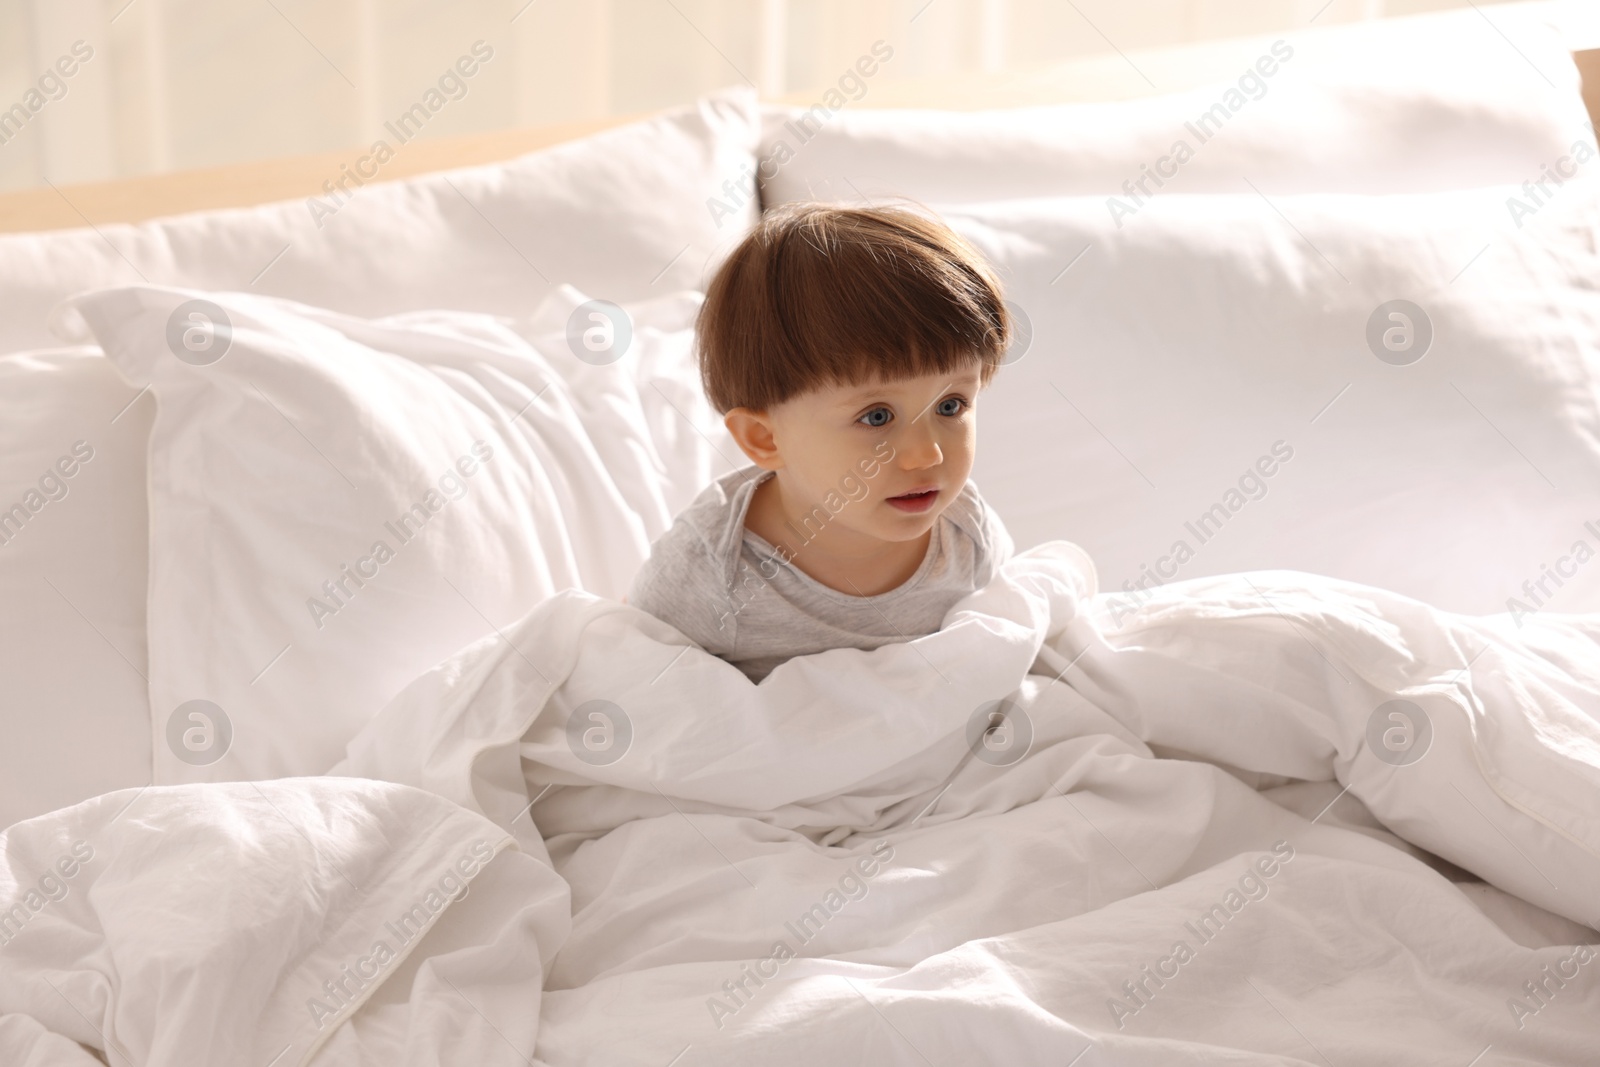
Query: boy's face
[{"x": 919, "y": 435}]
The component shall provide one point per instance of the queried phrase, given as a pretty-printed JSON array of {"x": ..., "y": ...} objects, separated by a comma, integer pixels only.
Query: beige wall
[{"x": 178, "y": 84}]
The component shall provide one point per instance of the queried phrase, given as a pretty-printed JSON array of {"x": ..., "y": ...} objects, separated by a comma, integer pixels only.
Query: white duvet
[{"x": 841, "y": 866}]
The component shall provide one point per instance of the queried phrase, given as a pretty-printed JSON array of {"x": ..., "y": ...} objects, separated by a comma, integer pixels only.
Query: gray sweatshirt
[{"x": 730, "y": 591}]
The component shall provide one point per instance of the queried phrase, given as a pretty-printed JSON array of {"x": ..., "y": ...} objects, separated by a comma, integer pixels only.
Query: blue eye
[
  {"x": 951, "y": 405},
  {"x": 871, "y": 417}
]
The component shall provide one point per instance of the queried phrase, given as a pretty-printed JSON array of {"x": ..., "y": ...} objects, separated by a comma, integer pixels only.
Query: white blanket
[
  {"x": 840, "y": 865},
  {"x": 246, "y": 922}
]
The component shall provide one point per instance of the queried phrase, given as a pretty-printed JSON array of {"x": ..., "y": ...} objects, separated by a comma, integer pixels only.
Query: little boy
[{"x": 845, "y": 348}]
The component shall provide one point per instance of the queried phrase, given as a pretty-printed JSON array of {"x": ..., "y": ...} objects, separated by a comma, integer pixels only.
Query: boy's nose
[{"x": 918, "y": 449}]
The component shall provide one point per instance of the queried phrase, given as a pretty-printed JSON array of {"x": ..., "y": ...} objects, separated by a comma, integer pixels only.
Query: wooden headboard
[
  {"x": 1589, "y": 66},
  {"x": 298, "y": 177}
]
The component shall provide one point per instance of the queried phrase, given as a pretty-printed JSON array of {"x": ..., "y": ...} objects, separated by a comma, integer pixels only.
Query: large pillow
[
  {"x": 73, "y": 709},
  {"x": 621, "y": 214},
  {"x": 1402, "y": 391},
  {"x": 1445, "y": 101},
  {"x": 337, "y": 503}
]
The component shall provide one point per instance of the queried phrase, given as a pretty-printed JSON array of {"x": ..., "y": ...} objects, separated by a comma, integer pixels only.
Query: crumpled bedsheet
[{"x": 1267, "y": 818}]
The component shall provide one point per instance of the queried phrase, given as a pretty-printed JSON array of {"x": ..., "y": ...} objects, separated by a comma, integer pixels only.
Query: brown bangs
[{"x": 819, "y": 295}]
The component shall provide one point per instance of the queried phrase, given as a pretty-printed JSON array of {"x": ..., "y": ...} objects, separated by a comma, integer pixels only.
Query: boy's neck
[{"x": 840, "y": 558}]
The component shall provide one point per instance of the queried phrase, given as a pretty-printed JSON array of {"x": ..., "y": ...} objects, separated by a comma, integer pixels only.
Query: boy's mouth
[{"x": 920, "y": 500}]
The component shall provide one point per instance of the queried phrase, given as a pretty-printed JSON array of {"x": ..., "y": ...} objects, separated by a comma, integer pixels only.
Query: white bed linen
[
  {"x": 1447, "y": 100},
  {"x": 1006, "y": 902},
  {"x": 294, "y": 585},
  {"x": 1017, "y": 901},
  {"x": 1176, "y": 357},
  {"x": 74, "y": 711},
  {"x": 202, "y": 925},
  {"x": 621, "y": 214}
]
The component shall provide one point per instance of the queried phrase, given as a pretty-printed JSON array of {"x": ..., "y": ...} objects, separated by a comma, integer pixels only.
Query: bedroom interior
[{"x": 325, "y": 468}]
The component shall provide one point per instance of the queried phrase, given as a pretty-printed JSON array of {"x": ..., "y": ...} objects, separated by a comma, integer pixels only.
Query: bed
[{"x": 330, "y": 740}]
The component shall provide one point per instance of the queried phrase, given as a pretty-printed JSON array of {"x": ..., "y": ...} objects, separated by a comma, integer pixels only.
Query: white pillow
[
  {"x": 1173, "y": 356},
  {"x": 73, "y": 709},
  {"x": 1442, "y": 101},
  {"x": 313, "y": 438},
  {"x": 621, "y": 214}
]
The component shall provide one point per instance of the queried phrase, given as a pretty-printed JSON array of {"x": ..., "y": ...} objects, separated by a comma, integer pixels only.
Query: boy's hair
[{"x": 820, "y": 295}]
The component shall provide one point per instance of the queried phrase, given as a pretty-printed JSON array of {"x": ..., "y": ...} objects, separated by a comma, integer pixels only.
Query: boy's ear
[{"x": 752, "y": 431}]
